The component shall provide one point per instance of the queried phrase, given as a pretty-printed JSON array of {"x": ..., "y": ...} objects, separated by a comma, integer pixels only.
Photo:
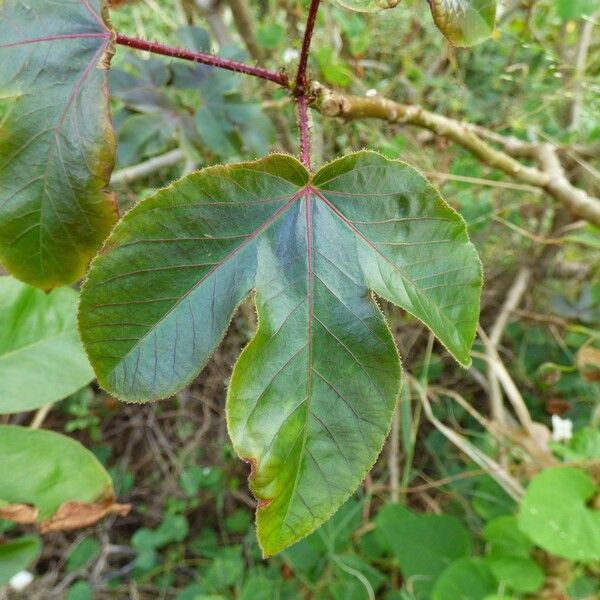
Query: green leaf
[
  {"x": 571, "y": 10},
  {"x": 520, "y": 574},
  {"x": 238, "y": 522},
  {"x": 465, "y": 579},
  {"x": 587, "y": 236},
  {"x": 423, "y": 544},
  {"x": 83, "y": 553},
  {"x": 504, "y": 537},
  {"x": 41, "y": 357},
  {"x": 555, "y": 516},
  {"x": 509, "y": 556},
  {"x": 225, "y": 570},
  {"x": 312, "y": 395},
  {"x": 259, "y": 587},
  {"x": 270, "y": 35},
  {"x": 464, "y": 22},
  {"x": 43, "y": 471},
  {"x": 368, "y": 5},
  {"x": 16, "y": 555},
  {"x": 81, "y": 590},
  {"x": 335, "y": 70},
  {"x": 56, "y": 139}
]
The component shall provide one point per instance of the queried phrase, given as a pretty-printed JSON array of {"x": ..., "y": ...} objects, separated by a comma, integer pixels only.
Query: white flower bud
[
  {"x": 20, "y": 581},
  {"x": 562, "y": 429}
]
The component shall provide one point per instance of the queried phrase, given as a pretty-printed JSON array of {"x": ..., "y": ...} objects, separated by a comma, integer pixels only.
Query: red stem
[
  {"x": 206, "y": 59},
  {"x": 304, "y": 130},
  {"x": 308, "y": 32},
  {"x": 302, "y": 84}
]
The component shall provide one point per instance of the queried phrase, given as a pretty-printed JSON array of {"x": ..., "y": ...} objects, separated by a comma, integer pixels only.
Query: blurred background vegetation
[{"x": 441, "y": 514}]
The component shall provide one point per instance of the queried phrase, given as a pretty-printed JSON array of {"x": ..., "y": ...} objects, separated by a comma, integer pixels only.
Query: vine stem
[
  {"x": 201, "y": 57},
  {"x": 301, "y": 85}
]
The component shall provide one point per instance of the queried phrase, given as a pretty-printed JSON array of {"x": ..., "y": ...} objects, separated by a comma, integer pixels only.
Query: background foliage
[{"x": 430, "y": 521}]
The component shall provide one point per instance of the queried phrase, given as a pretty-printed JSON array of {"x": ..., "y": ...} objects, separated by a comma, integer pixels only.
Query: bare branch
[
  {"x": 550, "y": 177},
  {"x": 146, "y": 168}
]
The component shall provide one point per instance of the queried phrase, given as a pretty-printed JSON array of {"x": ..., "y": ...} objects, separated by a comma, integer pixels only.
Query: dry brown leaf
[
  {"x": 19, "y": 513},
  {"x": 76, "y": 515},
  {"x": 588, "y": 361},
  {"x": 118, "y": 3}
]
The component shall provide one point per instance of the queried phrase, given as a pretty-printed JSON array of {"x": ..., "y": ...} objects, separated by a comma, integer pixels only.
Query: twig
[
  {"x": 211, "y": 11},
  {"x": 394, "y": 456},
  {"x": 512, "y": 391},
  {"x": 201, "y": 57},
  {"x": 512, "y": 487},
  {"x": 583, "y": 49},
  {"x": 511, "y": 302},
  {"x": 549, "y": 178},
  {"x": 444, "y": 481},
  {"x": 40, "y": 415},
  {"x": 245, "y": 26},
  {"x": 480, "y": 181},
  {"x": 146, "y": 168}
]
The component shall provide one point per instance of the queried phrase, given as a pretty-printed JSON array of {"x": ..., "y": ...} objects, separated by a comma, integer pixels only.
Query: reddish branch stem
[
  {"x": 301, "y": 85},
  {"x": 301, "y": 82},
  {"x": 308, "y": 32},
  {"x": 206, "y": 59},
  {"x": 304, "y": 130}
]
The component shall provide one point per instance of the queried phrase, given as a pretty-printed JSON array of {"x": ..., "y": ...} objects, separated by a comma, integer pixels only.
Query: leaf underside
[
  {"x": 56, "y": 139},
  {"x": 312, "y": 395},
  {"x": 464, "y": 22}
]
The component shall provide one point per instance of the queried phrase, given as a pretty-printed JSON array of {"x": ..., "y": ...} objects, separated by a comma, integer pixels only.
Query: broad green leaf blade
[
  {"x": 570, "y": 10},
  {"x": 555, "y": 515},
  {"x": 509, "y": 556},
  {"x": 465, "y": 579},
  {"x": 160, "y": 297},
  {"x": 312, "y": 395},
  {"x": 16, "y": 555},
  {"x": 464, "y": 22},
  {"x": 368, "y": 5},
  {"x": 424, "y": 545},
  {"x": 56, "y": 139},
  {"x": 412, "y": 247},
  {"x": 47, "y": 477},
  {"x": 41, "y": 357},
  {"x": 297, "y": 406}
]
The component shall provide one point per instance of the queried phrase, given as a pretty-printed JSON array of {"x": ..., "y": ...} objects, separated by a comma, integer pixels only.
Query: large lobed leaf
[
  {"x": 41, "y": 357},
  {"x": 312, "y": 395},
  {"x": 56, "y": 139}
]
